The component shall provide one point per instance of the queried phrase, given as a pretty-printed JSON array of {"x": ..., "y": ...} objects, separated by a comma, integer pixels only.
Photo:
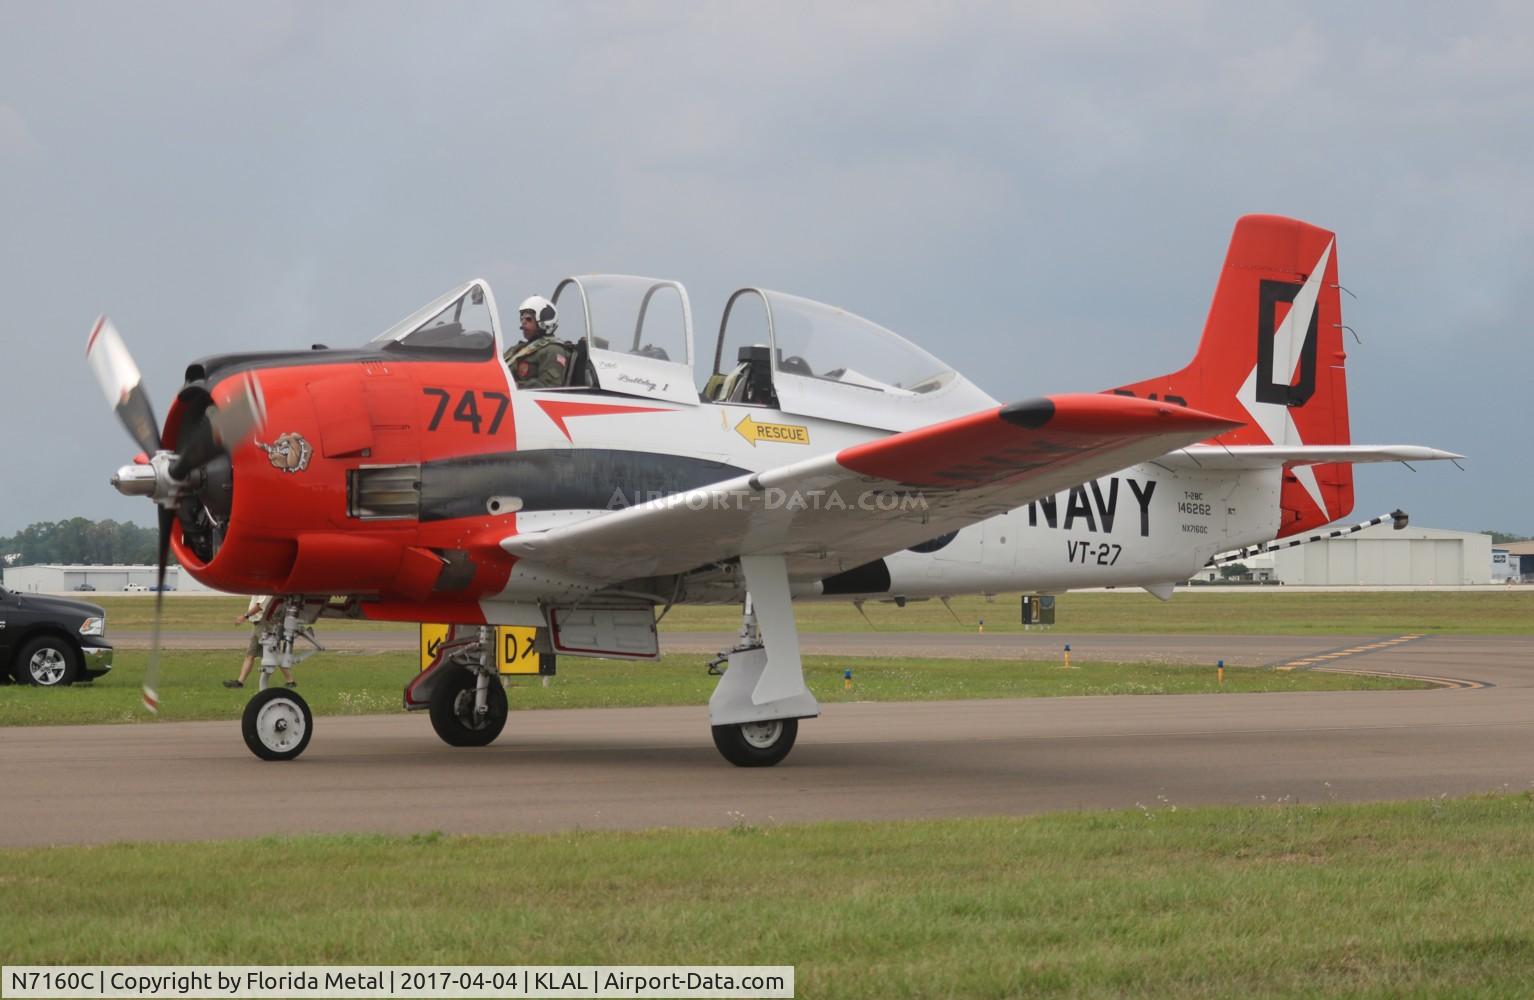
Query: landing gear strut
[{"x": 756, "y": 708}]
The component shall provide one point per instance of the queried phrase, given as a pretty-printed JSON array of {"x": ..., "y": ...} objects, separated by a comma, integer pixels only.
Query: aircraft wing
[
  {"x": 1266, "y": 456},
  {"x": 836, "y": 511}
]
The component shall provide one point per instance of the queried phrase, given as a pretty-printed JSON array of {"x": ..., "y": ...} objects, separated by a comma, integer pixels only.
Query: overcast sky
[{"x": 1039, "y": 194}]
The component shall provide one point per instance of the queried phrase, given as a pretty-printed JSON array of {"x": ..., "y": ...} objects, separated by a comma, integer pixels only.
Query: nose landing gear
[{"x": 277, "y": 724}]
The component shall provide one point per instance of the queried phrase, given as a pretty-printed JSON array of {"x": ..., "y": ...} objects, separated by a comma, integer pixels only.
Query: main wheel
[
  {"x": 452, "y": 710},
  {"x": 48, "y": 661},
  {"x": 277, "y": 724},
  {"x": 756, "y": 744}
]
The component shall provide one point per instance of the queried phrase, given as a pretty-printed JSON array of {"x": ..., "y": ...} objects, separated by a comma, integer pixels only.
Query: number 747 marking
[{"x": 467, "y": 410}]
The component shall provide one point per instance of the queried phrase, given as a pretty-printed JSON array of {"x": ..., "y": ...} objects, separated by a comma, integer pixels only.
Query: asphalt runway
[{"x": 637, "y": 768}]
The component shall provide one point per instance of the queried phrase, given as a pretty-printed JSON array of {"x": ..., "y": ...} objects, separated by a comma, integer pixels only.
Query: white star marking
[{"x": 1274, "y": 418}]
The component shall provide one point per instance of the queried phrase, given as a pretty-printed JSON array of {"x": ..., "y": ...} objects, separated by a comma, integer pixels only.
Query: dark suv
[{"x": 51, "y": 641}]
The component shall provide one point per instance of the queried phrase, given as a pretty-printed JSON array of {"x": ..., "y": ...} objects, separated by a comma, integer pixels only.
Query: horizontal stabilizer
[{"x": 1270, "y": 456}]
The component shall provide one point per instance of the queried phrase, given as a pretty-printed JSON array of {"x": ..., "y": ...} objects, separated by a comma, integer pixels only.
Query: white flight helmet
[{"x": 543, "y": 312}]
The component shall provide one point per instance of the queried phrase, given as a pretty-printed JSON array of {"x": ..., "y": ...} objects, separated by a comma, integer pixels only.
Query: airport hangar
[
  {"x": 1379, "y": 557},
  {"x": 1382, "y": 556},
  {"x": 1519, "y": 559},
  {"x": 63, "y": 579}
]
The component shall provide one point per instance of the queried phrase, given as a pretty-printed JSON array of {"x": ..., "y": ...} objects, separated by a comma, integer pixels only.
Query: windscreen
[{"x": 464, "y": 323}]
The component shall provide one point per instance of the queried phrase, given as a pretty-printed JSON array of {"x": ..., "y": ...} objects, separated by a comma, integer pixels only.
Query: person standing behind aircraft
[
  {"x": 253, "y": 614},
  {"x": 541, "y": 362}
]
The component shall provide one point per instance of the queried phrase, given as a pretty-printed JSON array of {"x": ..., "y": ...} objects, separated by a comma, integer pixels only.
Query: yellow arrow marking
[
  {"x": 752, "y": 431},
  {"x": 514, "y": 647}
]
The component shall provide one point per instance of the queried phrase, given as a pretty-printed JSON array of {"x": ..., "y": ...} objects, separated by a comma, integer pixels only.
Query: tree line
[{"x": 79, "y": 540}]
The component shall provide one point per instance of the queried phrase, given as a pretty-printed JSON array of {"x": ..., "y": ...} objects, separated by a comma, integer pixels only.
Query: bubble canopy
[
  {"x": 637, "y": 333},
  {"x": 635, "y": 338},
  {"x": 828, "y": 362}
]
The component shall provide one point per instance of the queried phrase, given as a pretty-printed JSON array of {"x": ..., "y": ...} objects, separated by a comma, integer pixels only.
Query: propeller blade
[
  {"x": 151, "y": 693},
  {"x": 225, "y": 428},
  {"x": 119, "y": 378},
  {"x": 241, "y": 415}
]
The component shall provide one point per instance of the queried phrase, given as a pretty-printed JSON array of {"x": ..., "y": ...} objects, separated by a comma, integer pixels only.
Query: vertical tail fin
[{"x": 1272, "y": 356}]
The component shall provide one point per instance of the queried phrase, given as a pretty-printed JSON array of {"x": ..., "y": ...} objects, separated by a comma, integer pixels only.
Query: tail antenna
[{"x": 1356, "y": 339}]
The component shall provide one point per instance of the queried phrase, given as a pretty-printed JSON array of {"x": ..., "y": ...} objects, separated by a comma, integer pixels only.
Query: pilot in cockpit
[{"x": 540, "y": 362}]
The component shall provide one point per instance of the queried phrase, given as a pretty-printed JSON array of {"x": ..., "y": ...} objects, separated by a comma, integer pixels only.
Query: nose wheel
[{"x": 277, "y": 724}]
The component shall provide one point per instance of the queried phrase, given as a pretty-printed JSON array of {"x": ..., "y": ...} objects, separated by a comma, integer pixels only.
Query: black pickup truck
[{"x": 51, "y": 641}]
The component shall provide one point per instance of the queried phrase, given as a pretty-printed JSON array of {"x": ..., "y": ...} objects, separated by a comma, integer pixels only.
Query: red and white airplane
[{"x": 826, "y": 458}]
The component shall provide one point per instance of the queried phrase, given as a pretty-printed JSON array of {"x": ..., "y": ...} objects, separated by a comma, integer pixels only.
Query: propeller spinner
[{"x": 168, "y": 477}]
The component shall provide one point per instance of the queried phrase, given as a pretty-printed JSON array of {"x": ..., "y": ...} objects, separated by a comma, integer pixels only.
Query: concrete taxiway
[{"x": 635, "y": 768}]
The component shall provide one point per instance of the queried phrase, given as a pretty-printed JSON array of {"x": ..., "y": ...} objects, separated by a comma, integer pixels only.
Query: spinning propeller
[{"x": 169, "y": 477}]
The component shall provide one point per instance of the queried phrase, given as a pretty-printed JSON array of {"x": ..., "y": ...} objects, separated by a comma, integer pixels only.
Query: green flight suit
[{"x": 540, "y": 363}]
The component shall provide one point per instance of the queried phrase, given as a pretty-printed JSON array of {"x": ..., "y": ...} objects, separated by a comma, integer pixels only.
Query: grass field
[
  {"x": 1266, "y": 611},
  {"x": 1428, "y": 898},
  {"x": 350, "y": 684}
]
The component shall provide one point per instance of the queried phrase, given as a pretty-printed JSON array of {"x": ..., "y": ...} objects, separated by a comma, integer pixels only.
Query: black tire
[
  {"x": 277, "y": 724},
  {"x": 756, "y": 744},
  {"x": 47, "y": 661},
  {"x": 452, "y": 710}
]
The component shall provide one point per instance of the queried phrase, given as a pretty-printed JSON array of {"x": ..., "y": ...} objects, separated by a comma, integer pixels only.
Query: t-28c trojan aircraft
[{"x": 410, "y": 479}]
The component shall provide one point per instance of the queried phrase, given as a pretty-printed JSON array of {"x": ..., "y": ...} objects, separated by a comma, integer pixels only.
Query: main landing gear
[
  {"x": 761, "y": 696},
  {"x": 468, "y": 709},
  {"x": 754, "y": 712},
  {"x": 462, "y": 689},
  {"x": 756, "y": 744}
]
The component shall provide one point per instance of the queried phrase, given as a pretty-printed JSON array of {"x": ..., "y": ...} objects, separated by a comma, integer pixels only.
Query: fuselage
[{"x": 394, "y": 477}]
